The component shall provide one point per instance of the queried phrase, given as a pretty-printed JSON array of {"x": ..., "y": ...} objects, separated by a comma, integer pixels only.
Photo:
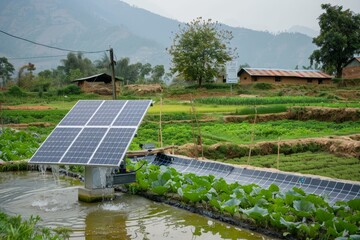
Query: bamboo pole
[{"x": 252, "y": 137}]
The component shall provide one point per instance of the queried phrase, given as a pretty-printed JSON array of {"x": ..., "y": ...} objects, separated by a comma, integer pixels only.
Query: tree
[
  {"x": 199, "y": 49},
  {"x": 6, "y": 70},
  {"x": 339, "y": 39},
  {"x": 157, "y": 73},
  {"x": 77, "y": 61}
]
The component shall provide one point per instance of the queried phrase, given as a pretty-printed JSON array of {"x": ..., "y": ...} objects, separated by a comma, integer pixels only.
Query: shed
[
  {"x": 98, "y": 83},
  {"x": 268, "y": 75},
  {"x": 352, "y": 69}
]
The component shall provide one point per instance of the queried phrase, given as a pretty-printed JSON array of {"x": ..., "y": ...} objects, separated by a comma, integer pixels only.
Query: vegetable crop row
[
  {"x": 260, "y": 100},
  {"x": 293, "y": 213}
]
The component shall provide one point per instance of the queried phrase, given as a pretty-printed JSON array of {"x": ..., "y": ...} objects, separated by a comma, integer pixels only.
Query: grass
[
  {"x": 323, "y": 164},
  {"x": 240, "y": 133}
]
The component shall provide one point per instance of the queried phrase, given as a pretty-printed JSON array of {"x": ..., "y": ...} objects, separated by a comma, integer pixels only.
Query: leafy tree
[
  {"x": 199, "y": 49},
  {"x": 339, "y": 38},
  {"x": 6, "y": 70},
  {"x": 103, "y": 64},
  {"x": 157, "y": 73},
  {"x": 77, "y": 61},
  {"x": 145, "y": 70}
]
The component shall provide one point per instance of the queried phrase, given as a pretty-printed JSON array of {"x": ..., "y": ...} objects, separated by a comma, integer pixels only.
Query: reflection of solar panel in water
[{"x": 94, "y": 132}]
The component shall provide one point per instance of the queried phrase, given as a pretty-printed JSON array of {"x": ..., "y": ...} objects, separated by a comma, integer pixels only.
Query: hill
[{"x": 133, "y": 32}]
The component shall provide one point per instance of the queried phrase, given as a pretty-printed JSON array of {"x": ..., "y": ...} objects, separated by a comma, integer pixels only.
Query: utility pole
[{"x": 112, "y": 64}]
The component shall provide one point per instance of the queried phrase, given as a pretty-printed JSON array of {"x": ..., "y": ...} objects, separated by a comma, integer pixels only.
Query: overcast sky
[{"x": 269, "y": 15}]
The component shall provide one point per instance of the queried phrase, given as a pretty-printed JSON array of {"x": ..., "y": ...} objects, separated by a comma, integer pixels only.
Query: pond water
[{"x": 126, "y": 217}]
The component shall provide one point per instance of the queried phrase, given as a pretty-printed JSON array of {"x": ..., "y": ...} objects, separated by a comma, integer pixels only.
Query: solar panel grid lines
[
  {"x": 95, "y": 140},
  {"x": 81, "y": 113},
  {"x": 57, "y": 143}
]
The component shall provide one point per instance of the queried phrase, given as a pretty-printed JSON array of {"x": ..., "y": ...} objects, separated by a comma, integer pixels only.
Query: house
[
  {"x": 99, "y": 84},
  {"x": 352, "y": 69},
  {"x": 267, "y": 75}
]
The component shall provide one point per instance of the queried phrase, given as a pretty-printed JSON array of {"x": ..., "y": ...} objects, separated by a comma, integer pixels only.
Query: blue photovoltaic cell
[
  {"x": 132, "y": 113},
  {"x": 94, "y": 132},
  {"x": 84, "y": 146},
  {"x": 113, "y": 147},
  {"x": 81, "y": 113},
  {"x": 55, "y": 145},
  {"x": 107, "y": 113}
]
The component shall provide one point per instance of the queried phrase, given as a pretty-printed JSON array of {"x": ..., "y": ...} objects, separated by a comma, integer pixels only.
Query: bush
[
  {"x": 71, "y": 90},
  {"x": 263, "y": 86},
  {"x": 15, "y": 91}
]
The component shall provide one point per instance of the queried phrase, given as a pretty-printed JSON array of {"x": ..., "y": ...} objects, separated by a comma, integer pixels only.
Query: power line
[
  {"x": 48, "y": 46},
  {"x": 53, "y": 56}
]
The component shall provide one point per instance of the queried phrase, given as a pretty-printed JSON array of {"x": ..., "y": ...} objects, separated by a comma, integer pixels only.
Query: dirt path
[{"x": 26, "y": 107}]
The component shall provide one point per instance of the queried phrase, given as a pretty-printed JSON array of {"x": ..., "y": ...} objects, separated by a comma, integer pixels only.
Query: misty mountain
[
  {"x": 92, "y": 25},
  {"x": 304, "y": 30}
]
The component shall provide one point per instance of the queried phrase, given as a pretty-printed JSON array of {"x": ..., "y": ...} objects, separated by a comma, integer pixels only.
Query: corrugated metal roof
[
  {"x": 101, "y": 77},
  {"x": 267, "y": 72}
]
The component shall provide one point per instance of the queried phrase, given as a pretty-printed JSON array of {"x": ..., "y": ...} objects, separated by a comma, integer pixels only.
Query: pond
[{"x": 126, "y": 217}]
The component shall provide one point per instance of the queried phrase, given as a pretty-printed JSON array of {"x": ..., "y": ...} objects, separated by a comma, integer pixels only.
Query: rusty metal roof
[{"x": 268, "y": 72}]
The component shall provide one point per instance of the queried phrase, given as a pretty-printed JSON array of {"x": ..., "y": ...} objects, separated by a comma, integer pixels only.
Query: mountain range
[{"x": 93, "y": 25}]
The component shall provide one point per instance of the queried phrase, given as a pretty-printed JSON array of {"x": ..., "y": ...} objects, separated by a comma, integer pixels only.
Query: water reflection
[{"x": 127, "y": 217}]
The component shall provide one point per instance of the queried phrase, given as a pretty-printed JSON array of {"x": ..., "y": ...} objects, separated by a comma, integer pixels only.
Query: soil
[
  {"x": 337, "y": 115},
  {"x": 26, "y": 108},
  {"x": 346, "y": 146},
  {"x": 144, "y": 88}
]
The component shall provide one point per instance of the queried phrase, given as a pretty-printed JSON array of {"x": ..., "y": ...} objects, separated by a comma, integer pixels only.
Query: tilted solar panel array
[
  {"x": 94, "y": 132},
  {"x": 333, "y": 190}
]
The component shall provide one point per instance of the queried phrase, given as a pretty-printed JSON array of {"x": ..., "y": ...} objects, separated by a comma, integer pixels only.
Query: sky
[{"x": 265, "y": 15}]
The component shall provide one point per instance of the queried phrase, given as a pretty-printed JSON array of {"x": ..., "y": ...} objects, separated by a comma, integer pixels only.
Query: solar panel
[
  {"x": 94, "y": 132},
  {"x": 133, "y": 113}
]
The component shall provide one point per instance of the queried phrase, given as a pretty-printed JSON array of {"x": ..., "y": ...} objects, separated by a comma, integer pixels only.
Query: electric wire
[{"x": 48, "y": 46}]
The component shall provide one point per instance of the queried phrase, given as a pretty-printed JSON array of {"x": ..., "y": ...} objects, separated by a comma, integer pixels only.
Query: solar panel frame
[{"x": 95, "y": 122}]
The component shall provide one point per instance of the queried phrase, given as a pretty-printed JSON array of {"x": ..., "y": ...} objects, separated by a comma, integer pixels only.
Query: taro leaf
[
  {"x": 303, "y": 205},
  {"x": 256, "y": 212},
  {"x": 275, "y": 220},
  {"x": 311, "y": 230},
  {"x": 215, "y": 203},
  {"x": 143, "y": 184},
  {"x": 248, "y": 188},
  {"x": 211, "y": 194},
  {"x": 341, "y": 226},
  {"x": 288, "y": 224},
  {"x": 172, "y": 185},
  {"x": 354, "y": 204},
  {"x": 180, "y": 192},
  {"x": 202, "y": 181},
  {"x": 274, "y": 188},
  {"x": 323, "y": 216},
  {"x": 299, "y": 191},
  {"x": 194, "y": 195},
  {"x": 351, "y": 237},
  {"x": 238, "y": 193},
  {"x": 355, "y": 237},
  {"x": 220, "y": 185},
  {"x": 231, "y": 205},
  {"x": 355, "y": 218},
  {"x": 255, "y": 191},
  {"x": 163, "y": 177},
  {"x": 317, "y": 200},
  {"x": 160, "y": 190}
]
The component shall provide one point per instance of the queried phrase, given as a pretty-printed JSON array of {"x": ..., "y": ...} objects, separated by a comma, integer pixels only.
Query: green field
[{"x": 324, "y": 164}]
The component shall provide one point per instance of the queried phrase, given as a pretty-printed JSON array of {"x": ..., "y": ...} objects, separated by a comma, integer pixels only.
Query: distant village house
[
  {"x": 352, "y": 69},
  {"x": 267, "y": 75},
  {"x": 99, "y": 84}
]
